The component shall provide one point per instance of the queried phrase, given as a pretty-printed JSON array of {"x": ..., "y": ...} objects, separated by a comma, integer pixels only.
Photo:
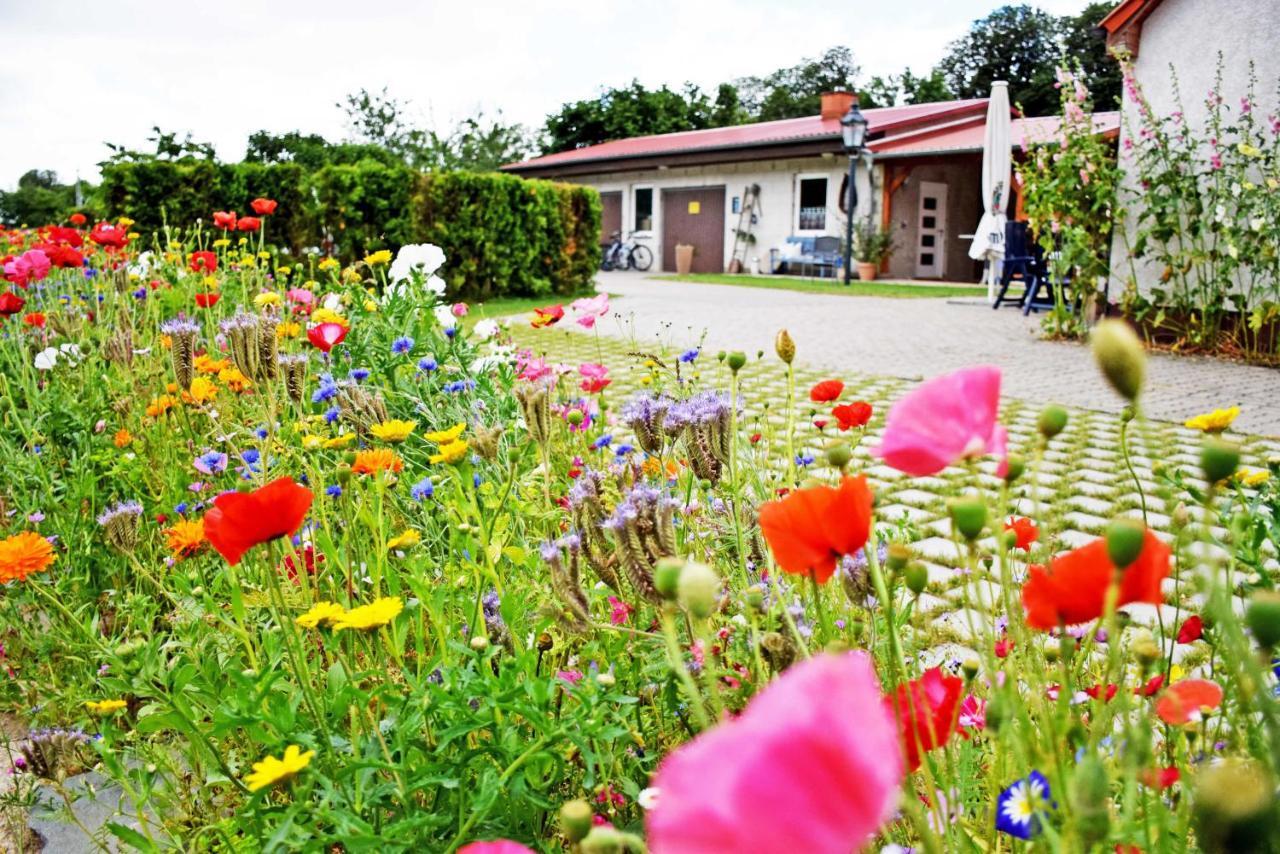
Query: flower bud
[
  {"x": 666, "y": 576},
  {"x": 997, "y": 712},
  {"x": 1144, "y": 648},
  {"x": 1181, "y": 516},
  {"x": 479, "y": 643},
  {"x": 1234, "y": 807},
  {"x": 916, "y": 577},
  {"x": 839, "y": 455},
  {"x": 698, "y": 589},
  {"x": 736, "y": 360},
  {"x": 1121, "y": 356},
  {"x": 1124, "y": 541},
  {"x": 344, "y": 474},
  {"x": 969, "y": 515},
  {"x": 897, "y": 556},
  {"x": 1014, "y": 467},
  {"x": 785, "y": 346},
  {"x": 606, "y": 679},
  {"x": 970, "y": 666},
  {"x": 1263, "y": 618},
  {"x": 574, "y": 417},
  {"x": 545, "y": 641},
  {"x": 604, "y": 839},
  {"x": 1052, "y": 421},
  {"x": 575, "y": 819},
  {"x": 755, "y": 597},
  {"x": 1219, "y": 460}
]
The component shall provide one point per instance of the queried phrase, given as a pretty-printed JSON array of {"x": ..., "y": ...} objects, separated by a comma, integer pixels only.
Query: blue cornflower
[
  {"x": 451, "y": 331},
  {"x": 459, "y": 385},
  {"x": 181, "y": 509},
  {"x": 140, "y": 293},
  {"x": 331, "y": 414},
  {"x": 803, "y": 460},
  {"x": 475, "y": 479},
  {"x": 623, "y": 449},
  {"x": 689, "y": 355},
  {"x": 333, "y": 491},
  {"x": 422, "y": 489},
  {"x": 327, "y": 391},
  {"x": 211, "y": 462},
  {"x": 402, "y": 345},
  {"x": 251, "y": 456},
  {"x": 603, "y": 442},
  {"x": 1018, "y": 807},
  {"x": 261, "y": 432},
  {"x": 427, "y": 364},
  {"x": 359, "y": 374}
]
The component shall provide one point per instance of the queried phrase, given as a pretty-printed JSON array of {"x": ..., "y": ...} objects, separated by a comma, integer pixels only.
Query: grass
[{"x": 905, "y": 290}]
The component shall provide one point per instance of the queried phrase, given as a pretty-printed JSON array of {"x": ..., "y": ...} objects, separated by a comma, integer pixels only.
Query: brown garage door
[
  {"x": 610, "y": 216},
  {"x": 694, "y": 216}
]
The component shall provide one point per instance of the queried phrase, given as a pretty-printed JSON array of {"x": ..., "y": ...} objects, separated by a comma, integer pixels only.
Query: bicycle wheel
[{"x": 641, "y": 258}]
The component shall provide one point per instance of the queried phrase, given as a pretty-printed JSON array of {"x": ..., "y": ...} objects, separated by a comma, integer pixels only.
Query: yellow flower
[
  {"x": 122, "y": 438},
  {"x": 1273, "y": 184},
  {"x": 266, "y": 298},
  {"x": 444, "y": 437},
  {"x": 134, "y": 235},
  {"x": 1253, "y": 478},
  {"x": 233, "y": 379},
  {"x": 185, "y": 537},
  {"x": 312, "y": 443},
  {"x": 328, "y": 315},
  {"x": 166, "y": 341},
  {"x": 221, "y": 243},
  {"x": 160, "y": 405},
  {"x": 450, "y": 452},
  {"x": 382, "y": 256},
  {"x": 1249, "y": 150},
  {"x": 370, "y": 306},
  {"x": 264, "y": 255},
  {"x": 327, "y": 264},
  {"x": 340, "y": 441},
  {"x": 374, "y": 460},
  {"x": 1213, "y": 422},
  {"x": 210, "y": 283},
  {"x": 271, "y": 771},
  {"x": 124, "y": 222},
  {"x": 206, "y": 364},
  {"x": 202, "y": 391},
  {"x": 403, "y": 541},
  {"x": 372, "y": 616},
  {"x": 289, "y": 329},
  {"x": 283, "y": 271},
  {"x": 105, "y": 707},
  {"x": 394, "y": 430},
  {"x": 321, "y": 614}
]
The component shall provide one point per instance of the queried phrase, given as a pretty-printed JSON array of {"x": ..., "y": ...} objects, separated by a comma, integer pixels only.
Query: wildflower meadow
[{"x": 304, "y": 556}]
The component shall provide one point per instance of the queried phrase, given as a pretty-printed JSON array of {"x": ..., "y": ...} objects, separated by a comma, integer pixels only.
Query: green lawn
[{"x": 834, "y": 286}]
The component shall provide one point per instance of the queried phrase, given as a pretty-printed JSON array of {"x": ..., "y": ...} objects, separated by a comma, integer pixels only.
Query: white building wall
[
  {"x": 779, "y": 198},
  {"x": 1189, "y": 35}
]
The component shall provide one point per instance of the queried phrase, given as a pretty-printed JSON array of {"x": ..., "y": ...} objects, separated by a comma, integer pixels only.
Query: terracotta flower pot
[
  {"x": 684, "y": 258},
  {"x": 866, "y": 271}
]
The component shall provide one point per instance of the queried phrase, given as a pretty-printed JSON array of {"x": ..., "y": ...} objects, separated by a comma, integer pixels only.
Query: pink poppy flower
[
  {"x": 300, "y": 296},
  {"x": 591, "y": 309},
  {"x": 594, "y": 377},
  {"x": 495, "y": 846},
  {"x": 945, "y": 420},
  {"x": 812, "y": 765},
  {"x": 534, "y": 369},
  {"x": 459, "y": 309},
  {"x": 31, "y": 266}
]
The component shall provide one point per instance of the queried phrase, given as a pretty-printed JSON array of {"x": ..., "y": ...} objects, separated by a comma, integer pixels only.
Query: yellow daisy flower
[
  {"x": 1213, "y": 422},
  {"x": 327, "y": 264},
  {"x": 221, "y": 243},
  {"x": 267, "y": 298},
  {"x": 395, "y": 430},
  {"x": 340, "y": 441},
  {"x": 450, "y": 452},
  {"x": 321, "y": 614},
  {"x": 444, "y": 437},
  {"x": 312, "y": 443},
  {"x": 1253, "y": 478},
  {"x": 105, "y": 707},
  {"x": 372, "y": 616},
  {"x": 288, "y": 329},
  {"x": 403, "y": 541},
  {"x": 271, "y": 771},
  {"x": 328, "y": 315},
  {"x": 382, "y": 256}
]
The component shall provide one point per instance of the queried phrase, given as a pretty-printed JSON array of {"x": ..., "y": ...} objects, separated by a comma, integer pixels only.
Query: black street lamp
[{"x": 853, "y": 130}]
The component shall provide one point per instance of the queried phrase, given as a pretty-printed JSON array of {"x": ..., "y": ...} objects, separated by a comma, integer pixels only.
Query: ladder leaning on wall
[{"x": 743, "y": 239}]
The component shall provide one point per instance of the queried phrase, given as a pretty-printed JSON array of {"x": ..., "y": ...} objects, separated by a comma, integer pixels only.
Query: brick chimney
[{"x": 836, "y": 104}]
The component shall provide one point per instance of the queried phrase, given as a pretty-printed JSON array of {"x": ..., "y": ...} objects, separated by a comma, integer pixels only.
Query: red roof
[
  {"x": 881, "y": 120},
  {"x": 967, "y": 136}
]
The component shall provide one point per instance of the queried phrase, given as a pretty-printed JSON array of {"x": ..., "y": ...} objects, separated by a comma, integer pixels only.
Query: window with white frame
[
  {"x": 642, "y": 215},
  {"x": 811, "y": 193}
]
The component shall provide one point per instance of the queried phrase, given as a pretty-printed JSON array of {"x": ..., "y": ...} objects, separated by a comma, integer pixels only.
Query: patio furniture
[
  {"x": 816, "y": 256},
  {"x": 1023, "y": 263}
]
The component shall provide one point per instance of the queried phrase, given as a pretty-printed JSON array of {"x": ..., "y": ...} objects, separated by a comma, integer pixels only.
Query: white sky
[{"x": 74, "y": 74}]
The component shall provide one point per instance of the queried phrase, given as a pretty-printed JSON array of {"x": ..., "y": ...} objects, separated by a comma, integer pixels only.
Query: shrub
[{"x": 361, "y": 206}]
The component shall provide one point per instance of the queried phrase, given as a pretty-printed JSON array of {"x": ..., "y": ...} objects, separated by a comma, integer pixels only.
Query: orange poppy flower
[
  {"x": 23, "y": 554},
  {"x": 826, "y": 391},
  {"x": 374, "y": 460},
  {"x": 1074, "y": 588},
  {"x": 1184, "y": 702},
  {"x": 1024, "y": 531},
  {"x": 548, "y": 316},
  {"x": 241, "y": 520},
  {"x": 811, "y": 529}
]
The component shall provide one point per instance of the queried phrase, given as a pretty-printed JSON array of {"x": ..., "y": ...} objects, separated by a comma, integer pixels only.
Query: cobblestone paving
[
  {"x": 918, "y": 338},
  {"x": 1079, "y": 485}
]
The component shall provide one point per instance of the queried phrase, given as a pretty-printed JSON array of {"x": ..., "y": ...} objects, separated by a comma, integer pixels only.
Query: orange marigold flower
[
  {"x": 185, "y": 537},
  {"x": 202, "y": 391},
  {"x": 161, "y": 404},
  {"x": 206, "y": 364},
  {"x": 234, "y": 379},
  {"x": 24, "y": 554},
  {"x": 122, "y": 438},
  {"x": 375, "y": 460}
]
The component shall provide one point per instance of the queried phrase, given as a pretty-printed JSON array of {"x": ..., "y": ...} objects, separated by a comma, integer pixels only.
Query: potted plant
[{"x": 870, "y": 247}]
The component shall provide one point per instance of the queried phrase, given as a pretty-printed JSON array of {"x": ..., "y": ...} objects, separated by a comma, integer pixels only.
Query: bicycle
[{"x": 626, "y": 256}]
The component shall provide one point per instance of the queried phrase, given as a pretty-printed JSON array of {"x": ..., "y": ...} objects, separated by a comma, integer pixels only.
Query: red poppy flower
[
  {"x": 820, "y": 423},
  {"x": 1160, "y": 778},
  {"x": 1003, "y": 648},
  {"x": 811, "y": 529},
  {"x": 1185, "y": 700},
  {"x": 241, "y": 520},
  {"x": 851, "y": 415},
  {"x": 64, "y": 256},
  {"x": 207, "y": 300},
  {"x": 225, "y": 220},
  {"x": 1192, "y": 630},
  {"x": 11, "y": 303},
  {"x": 755, "y": 438},
  {"x": 326, "y": 336},
  {"x": 1024, "y": 530},
  {"x": 595, "y": 385},
  {"x": 78, "y": 219},
  {"x": 548, "y": 316},
  {"x": 927, "y": 713},
  {"x": 1095, "y": 691},
  {"x": 108, "y": 235},
  {"x": 1150, "y": 687},
  {"x": 263, "y": 207},
  {"x": 1074, "y": 588},
  {"x": 61, "y": 234},
  {"x": 249, "y": 223},
  {"x": 826, "y": 391},
  {"x": 203, "y": 261},
  {"x": 35, "y": 319},
  {"x": 310, "y": 560}
]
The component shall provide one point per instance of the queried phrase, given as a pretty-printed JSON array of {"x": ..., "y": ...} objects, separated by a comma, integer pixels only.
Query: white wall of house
[
  {"x": 1188, "y": 35},
  {"x": 780, "y": 188}
]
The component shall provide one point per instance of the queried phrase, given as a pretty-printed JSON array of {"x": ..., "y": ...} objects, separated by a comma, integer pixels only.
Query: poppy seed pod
[
  {"x": 839, "y": 455},
  {"x": 698, "y": 589},
  {"x": 604, "y": 839},
  {"x": 736, "y": 360},
  {"x": 576, "y": 819},
  {"x": 1052, "y": 421},
  {"x": 1121, "y": 356},
  {"x": 969, "y": 515},
  {"x": 1219, "y": 460},
  {"x": 916, "y": 577},
  {"x": 1125, "y": 538},
  {"x": 785, "y": 346},
  {"x": 1014, "y": 467},
  {"x": 666, "y": 576},
  {"x": 1263, "y": 618},
  {"x": 897, "y": 555}
]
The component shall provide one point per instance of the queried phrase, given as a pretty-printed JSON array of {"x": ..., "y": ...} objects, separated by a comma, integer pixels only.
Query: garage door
[
  {"x": 695, "y": 216},
  {"x": 610, "y": 216}
]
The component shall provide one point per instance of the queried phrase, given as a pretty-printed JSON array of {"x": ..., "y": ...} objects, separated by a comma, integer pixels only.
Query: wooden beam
[{"x": 895, "y": 175}]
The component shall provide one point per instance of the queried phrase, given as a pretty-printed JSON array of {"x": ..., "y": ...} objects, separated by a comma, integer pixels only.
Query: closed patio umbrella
[{"x": 997, "y": 162}]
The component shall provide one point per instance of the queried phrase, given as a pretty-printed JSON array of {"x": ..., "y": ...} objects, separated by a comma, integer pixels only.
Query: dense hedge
[{"x": 504, "y": 236}]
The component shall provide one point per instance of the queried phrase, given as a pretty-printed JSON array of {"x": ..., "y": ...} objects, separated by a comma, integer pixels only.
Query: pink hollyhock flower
[
  {"x": 495, "y": 846},
  {"x": 594, "y": 377},
  {"x": 812, "y": 765},
  {"x": 31, "y": 266},
  {"x": 945, "y": 420},
  {"x": 590, "y": 309}
]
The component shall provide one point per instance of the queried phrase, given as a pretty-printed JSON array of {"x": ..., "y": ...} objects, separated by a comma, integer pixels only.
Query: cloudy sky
[{"x": 76, "y": 74}]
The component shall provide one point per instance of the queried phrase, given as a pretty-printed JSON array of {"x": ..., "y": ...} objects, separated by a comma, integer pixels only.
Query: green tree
[
  {"x": 797, "y": 90},
  {"x": 1018, "y": 44},
  {"x": 167, "y": 147},
  {"x": 1080, "y": 45},
  {"x": 636, "y": 111},
  {"x": 38, "y": 199},
  {"x": 904, "y": 88}
]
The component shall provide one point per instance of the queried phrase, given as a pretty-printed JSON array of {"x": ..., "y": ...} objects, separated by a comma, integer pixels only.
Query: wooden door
[
  {"x": 695, "y": 216},
  {"x": 931, "y": 231},
  {"x": 610, "y": 216}
]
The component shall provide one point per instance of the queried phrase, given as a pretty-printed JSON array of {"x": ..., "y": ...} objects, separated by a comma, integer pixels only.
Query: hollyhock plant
[
  {"x": 590, "y": 309},
  {"x": 944, "y": 420},
  {"x": 927, "y": 712},
  {"x": 326, "y": 336},
  {"x": 1074, "y": 587},
  {"x": 826, "y": 391},
  {"x": 816, "y": 746},
  {"x": 812, "y": 529},
  {"x": 850, "y": 416},
  {"x": 239, "y": 521}
]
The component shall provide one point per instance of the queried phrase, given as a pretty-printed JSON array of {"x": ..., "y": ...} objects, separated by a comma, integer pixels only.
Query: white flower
[
  {"x": 71, "y": 351},
  {"x": 426, "y": 258},
  {"x": 436, "y": 285},
  {"x": 46, "y": 359},
  {"x": 648, "y": 798},
  {"x": 444, "y": 316},
  {"x": 333, "y": 302},
  {"x": 485, "y": 329}
]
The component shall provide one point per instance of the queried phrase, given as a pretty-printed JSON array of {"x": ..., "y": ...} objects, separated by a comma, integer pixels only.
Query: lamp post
[{"x": 853, "y": 130}]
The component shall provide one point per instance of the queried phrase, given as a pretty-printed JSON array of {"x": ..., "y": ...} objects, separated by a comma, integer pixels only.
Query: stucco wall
[
  {"x": 962, "y": 175},
  {"x": 1189, "y": 35}
]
